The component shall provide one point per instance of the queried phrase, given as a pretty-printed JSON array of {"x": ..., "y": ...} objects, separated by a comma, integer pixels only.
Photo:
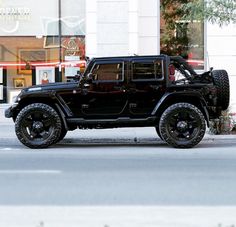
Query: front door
[{"x": 105, "y": 96}]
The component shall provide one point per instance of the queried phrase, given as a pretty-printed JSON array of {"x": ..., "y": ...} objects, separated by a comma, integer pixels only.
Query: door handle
[
  {"x": 85, "y": 106},
  {"x": 132, "y": 90},
  {"x": 132, "y": 105},
  {"x": 155, "y": 87},
  {"x": 120, "y": 88},
  {"x": 86, "y": 85}
]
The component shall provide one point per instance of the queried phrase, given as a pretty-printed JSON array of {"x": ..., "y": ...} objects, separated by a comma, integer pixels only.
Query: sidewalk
[
  {"x": 4, "y": 120},
  {"x": 118, "y": 216}
]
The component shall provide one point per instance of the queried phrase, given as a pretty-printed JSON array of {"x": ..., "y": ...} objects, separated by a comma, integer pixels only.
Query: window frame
[
  {"x": 152, "y": 61},
  {"x": 109, "y": 63}
]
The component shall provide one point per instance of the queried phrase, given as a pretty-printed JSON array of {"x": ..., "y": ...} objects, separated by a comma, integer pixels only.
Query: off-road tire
[
  {"x": 182, "y": 125},
  {"x": 62, "y": 135},
  {"x": 38, "y": 126},
  {"x": 158, "y": 132},
  {"x": 221, "y": 80}
]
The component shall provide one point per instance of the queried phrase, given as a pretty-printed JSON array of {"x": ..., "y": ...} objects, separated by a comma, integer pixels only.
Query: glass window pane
[
  {"x": 73, "y": 17},
  {"x": 147, "y": 70},
  {"x": 159, "y": 69},
  {"x": 180, "y": 37},
  {"x": 108, "y": 72},
  {"x": 143, "y": 71}
]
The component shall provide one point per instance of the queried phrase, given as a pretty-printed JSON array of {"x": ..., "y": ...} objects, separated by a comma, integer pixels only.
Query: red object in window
[{"x": 171, "y": 72}]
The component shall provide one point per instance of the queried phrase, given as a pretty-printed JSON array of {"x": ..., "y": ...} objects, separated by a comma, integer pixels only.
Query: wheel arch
[
  {"x": 52, "y": 101},
  {"x": 193, "y": 98}
]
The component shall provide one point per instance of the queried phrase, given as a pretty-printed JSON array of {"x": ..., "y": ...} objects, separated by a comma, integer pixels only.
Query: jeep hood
[{"x": 51, "y": 86}]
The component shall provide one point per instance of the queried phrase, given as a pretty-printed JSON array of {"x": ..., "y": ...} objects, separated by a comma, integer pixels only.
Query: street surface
[
  {"x": 117, "y": 167},
  {"x": 119, "y": 177}
]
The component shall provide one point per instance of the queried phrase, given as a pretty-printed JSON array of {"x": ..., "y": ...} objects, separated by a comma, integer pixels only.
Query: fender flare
[
  {"x": 173, "y": 96},
  {"x": 57, "y": 101}
]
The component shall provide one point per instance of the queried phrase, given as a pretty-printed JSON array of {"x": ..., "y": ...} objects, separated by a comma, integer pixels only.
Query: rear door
[{"x": 146, "y": 80}]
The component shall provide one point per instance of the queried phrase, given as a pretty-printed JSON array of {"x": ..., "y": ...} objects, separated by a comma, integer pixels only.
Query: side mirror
[
  {"x": 77, "y": 77},
  {"x": 90, "y": 77}
]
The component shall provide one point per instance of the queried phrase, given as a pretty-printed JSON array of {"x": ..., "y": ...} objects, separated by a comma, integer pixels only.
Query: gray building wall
[{"x": 221, "y": 54}]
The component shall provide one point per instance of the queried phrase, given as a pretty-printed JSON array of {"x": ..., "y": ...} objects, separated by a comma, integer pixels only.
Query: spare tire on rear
[{"x": 221, "y": 80}]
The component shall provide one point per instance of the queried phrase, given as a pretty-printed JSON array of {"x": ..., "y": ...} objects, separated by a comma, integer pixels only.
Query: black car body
[{"x": 134, "y": 91}]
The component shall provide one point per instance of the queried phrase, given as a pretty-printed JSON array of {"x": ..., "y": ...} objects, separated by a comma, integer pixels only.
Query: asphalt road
[{"x": 120, "y": 167}]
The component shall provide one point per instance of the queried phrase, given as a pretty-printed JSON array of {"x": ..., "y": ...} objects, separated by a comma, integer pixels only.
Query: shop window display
[
  {"x": 35, "y": 42},
  {"x": 23, "y": 55}
]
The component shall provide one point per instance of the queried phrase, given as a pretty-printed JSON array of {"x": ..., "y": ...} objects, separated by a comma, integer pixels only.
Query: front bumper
[{"x": 9, "y": 112}]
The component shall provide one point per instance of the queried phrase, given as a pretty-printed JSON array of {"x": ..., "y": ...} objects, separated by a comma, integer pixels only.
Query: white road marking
[
  {"x": 30, "y": 172},
  {"x": 9, "y": 149}
]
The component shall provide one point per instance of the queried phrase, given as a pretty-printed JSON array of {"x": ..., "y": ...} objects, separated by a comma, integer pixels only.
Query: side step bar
[{"x": 120, "y": 120}]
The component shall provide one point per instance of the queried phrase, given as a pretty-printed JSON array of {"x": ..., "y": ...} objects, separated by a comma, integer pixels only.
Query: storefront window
[
  {"x": 181, "y": 37},
  {"x": 38, "y": 41}
]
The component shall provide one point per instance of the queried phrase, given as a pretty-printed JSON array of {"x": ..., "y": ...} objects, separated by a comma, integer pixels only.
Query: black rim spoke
[
  {"x": 175, "y": 133},
  {"x": 173, "y": 121},
  {"x": 33, "y": 135},
  {"x": 183, "y": 124},
  {"x": 183, "y": 115},
  {"x": 47, "y": 122},
  {"x": 44, "y": 134},
  {"x": 187, "y": 135},
  {"x": 37, "y": 125},
  {"x": 27, "y": 123},
  {"x": 194, "y": 123},
  {"x": 37, "y": 116}
]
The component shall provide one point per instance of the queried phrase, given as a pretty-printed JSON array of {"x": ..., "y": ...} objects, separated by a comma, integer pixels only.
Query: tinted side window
[
  {"x": 108, "y": 72},
  {"x": 148, "y": 70}
]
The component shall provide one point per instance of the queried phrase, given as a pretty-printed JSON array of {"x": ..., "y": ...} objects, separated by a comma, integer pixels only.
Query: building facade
[
  {"x": 221, "y": 54},
  {"x": 36, "y": 40},
  {"x": 124, "y": 27}
]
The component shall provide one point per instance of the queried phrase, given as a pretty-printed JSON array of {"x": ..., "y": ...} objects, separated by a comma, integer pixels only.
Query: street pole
[
  {"x": 158, "y": 27},
  {"x": 59, "y": 36}
]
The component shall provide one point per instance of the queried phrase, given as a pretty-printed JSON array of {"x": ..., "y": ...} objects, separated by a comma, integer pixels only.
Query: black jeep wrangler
[{"x": 136, "y": 91}]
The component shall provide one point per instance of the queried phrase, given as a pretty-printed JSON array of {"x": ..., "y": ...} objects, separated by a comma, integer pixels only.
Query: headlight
[{"x": 16, "y": 99}]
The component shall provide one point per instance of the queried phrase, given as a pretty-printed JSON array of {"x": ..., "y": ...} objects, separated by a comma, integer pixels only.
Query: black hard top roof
[{"x": 127, "y": 57}]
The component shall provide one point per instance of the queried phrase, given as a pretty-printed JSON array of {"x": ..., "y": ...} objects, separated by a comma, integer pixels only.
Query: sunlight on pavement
[{"x": 124, "y": 216}]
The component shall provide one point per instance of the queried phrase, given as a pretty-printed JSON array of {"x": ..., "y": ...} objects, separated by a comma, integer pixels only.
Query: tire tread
[{"x": 36, "y": 106}]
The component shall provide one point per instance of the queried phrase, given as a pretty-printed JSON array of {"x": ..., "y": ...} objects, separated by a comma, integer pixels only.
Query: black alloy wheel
[
  {"x": 182, "y": 125},
  {"x": 38, "y": 126}
]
